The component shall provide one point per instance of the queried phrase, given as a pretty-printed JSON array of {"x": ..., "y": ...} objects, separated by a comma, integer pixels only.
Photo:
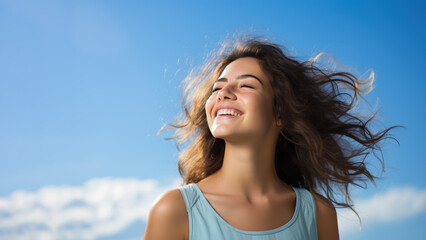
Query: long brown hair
[{"x": 323, "y": 145}]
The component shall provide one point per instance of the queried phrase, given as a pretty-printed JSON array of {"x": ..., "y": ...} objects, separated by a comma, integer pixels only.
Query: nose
[{"x": 226, "y": 93}]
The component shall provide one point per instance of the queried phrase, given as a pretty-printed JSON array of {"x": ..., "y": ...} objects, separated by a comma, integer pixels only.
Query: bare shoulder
[
  {"x": 326, "y": 218},
  {"x": 324, "y": 204},
  {"x": 170, "y": 202},
  {"x": 167, "y": 218}
]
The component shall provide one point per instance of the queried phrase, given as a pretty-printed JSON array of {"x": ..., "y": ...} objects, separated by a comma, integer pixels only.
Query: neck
[{"x": 249, "y": 170}]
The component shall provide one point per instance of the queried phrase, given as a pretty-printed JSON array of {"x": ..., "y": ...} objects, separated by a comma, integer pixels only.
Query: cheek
[
  {"x": 208, "y": 107},
  {"x": 262, "y": 108},
  {"x": 258, "y": 103}
]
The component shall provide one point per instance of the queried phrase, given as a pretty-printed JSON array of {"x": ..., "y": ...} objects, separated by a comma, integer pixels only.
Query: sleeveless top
[{"x": 206, "y": 224}]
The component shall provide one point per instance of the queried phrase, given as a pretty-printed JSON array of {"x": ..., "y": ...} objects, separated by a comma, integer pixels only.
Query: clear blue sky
[{"x": 84, "y": 86}]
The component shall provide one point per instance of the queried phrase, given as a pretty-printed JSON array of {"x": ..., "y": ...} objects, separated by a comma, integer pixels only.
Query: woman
[{"x": 269, "y": 146}]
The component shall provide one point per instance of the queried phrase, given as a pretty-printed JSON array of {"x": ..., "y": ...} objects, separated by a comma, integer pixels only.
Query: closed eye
[{"x": 247, "y": 86}]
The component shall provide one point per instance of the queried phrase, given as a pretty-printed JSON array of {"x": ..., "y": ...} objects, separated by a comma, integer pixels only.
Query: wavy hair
[{"x": 323, "y": 145}]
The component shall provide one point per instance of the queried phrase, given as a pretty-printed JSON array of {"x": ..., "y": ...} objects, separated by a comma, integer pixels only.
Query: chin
[
  {"x": 230, "y": 137},
  {"x": 221, "y": 135}
]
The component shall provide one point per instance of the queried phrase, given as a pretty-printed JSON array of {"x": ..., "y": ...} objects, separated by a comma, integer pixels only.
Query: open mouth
[{"x": 228, "y": 113}]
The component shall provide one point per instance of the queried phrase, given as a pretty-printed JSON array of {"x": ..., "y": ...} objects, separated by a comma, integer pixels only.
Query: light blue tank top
[{"x": 206, "y": 224}]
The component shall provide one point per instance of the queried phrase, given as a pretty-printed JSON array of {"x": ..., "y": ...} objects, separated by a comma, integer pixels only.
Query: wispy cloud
[
  {"x": 106, "y": 206},
  {"x": 100, "y": 207},
  {"x": 395, "y": 205}
]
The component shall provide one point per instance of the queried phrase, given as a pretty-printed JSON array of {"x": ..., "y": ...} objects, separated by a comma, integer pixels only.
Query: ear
[{"x": 278, "y": 122}]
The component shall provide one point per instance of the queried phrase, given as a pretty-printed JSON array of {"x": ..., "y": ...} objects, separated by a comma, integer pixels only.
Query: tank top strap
[
  {"x": 190, "y": 195},
  {"x": 307, "y": 199},
  {"x": 307, "y": 212}
]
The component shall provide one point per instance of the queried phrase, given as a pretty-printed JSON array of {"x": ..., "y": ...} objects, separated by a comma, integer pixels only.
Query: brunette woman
[{"x": 271, "y": 141}]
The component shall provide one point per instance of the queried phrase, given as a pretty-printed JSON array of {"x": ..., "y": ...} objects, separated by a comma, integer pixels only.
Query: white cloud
[
  {"x": 395, "y": 205},
  {"x": 106, "y": 206},
  {"x": 100, "y": 207}
]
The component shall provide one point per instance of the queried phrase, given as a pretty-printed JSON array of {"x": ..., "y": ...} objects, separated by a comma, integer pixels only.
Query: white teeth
[{"x": 227, "y": 112}]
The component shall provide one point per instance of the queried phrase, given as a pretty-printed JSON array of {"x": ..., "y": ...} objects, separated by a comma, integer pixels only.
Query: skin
[{"x": 252, "y": 198}]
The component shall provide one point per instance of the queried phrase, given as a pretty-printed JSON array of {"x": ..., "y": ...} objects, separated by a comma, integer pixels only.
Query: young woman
[{"x": 271, "y": 141}]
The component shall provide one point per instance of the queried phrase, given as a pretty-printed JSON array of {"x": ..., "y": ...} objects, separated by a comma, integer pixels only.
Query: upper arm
[
  {"x": 167, "y": 219},
  {"x": 326, "y": 219}
]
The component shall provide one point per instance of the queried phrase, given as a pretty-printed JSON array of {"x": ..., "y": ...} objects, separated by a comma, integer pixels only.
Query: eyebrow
[{"x": 243, "y": 76}]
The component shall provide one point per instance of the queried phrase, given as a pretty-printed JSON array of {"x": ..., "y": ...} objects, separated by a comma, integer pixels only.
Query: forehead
[{"x": 246, "y": 65}]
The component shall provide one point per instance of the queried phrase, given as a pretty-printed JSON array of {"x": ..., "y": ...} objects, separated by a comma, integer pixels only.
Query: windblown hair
[{"x": 323, "y": 145}]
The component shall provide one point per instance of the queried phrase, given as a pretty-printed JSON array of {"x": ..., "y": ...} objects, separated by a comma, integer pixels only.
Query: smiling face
[{"x": 244, "y": 97}]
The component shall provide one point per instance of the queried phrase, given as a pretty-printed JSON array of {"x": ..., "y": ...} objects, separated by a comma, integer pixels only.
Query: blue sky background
[{"x": 85, "y": 85}]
